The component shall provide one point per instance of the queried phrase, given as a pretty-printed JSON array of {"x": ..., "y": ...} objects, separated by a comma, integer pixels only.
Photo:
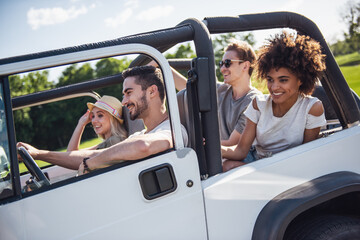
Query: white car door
[{"x": 112, "y": 205}]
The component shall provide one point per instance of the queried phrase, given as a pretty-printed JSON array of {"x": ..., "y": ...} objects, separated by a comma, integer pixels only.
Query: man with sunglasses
[{"x": 236, "y": 93}]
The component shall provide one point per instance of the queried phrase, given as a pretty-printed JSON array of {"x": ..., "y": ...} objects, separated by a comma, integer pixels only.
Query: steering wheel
[{"x": 32, "y": 166}]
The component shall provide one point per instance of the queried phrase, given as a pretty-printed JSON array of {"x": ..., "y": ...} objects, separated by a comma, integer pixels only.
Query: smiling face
[
  {"x": 283, "y": 86},
  {"x": 134, "y": 98},
  {"x": 232, "y": 73},
  {"x": 100, "y": 119}
]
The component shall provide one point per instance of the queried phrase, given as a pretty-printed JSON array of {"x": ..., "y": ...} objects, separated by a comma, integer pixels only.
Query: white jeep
[{"x": 308, "y": 192}]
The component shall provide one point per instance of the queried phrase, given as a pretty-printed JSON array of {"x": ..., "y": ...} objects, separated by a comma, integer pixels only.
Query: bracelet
[{"x": 86, "y": 167}]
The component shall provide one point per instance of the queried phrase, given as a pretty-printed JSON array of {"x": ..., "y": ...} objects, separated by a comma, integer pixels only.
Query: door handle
[{"x": 157, "y": 181}]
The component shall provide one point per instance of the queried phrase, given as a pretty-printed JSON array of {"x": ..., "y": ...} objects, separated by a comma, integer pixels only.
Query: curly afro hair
[{"x": 301, "y": 55}]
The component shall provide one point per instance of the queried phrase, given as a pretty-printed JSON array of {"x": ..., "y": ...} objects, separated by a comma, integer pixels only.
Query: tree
[
  {"x": 22, "y": 85},
  {"x": 30, "y": 83},
  {"x": 183, "y": 51},
  {"x": 76, "y": 74},
  {"x": 111, "y": 66},
  {"x": 351, "y": 17}
]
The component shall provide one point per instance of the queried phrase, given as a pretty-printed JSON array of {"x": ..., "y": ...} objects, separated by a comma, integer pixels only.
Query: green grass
[
  {"x": 350, "y": 68},
  {"x": 348, "y": 59},
  {"x": 85, "y": 144},
  {"x": 260, "y": 85},
  {"x": 352, "y": 76}
]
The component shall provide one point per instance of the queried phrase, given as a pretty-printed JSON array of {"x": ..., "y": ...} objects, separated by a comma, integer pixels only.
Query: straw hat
[{"x": 110, "y": 104}]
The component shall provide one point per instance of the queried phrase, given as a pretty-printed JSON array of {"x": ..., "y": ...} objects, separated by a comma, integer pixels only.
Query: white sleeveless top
[{"x": 275, "y": 134}]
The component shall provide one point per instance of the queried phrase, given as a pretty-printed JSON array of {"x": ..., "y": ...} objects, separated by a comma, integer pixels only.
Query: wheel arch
[{"x": 278, "y": 213}]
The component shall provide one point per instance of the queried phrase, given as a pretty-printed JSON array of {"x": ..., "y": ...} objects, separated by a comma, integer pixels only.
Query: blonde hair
[{"x": 116, "y": 128}]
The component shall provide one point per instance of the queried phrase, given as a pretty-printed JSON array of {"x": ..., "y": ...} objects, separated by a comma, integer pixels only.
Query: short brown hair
[
  {"x": 244, "y": 52},
  {"x": 301, "y": 55},
  {"x": 147, "y": 76}
]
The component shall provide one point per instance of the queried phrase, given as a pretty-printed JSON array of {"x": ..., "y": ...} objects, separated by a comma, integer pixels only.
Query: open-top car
[{"x": 304, "y": 192}]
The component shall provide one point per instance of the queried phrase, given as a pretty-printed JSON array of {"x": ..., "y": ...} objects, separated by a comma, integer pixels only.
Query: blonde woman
[{"x": 106, "y": 118}]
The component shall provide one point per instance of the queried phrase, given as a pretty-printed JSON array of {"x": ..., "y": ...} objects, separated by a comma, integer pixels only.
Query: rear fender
[{"x": 286, "y": 206}]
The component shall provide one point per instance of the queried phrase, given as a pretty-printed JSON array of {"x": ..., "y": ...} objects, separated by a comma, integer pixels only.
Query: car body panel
[{"x": 234, "y": 199}]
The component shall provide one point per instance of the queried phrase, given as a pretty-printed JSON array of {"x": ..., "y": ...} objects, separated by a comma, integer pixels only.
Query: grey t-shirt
[{"x": 231, "y": 112}]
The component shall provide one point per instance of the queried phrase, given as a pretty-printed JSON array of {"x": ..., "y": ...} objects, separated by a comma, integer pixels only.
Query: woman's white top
[{"x": 275, "y": 134}]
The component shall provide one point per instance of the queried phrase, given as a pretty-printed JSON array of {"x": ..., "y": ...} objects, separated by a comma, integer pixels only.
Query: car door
[
  {"x": 113, "y": 205},
  {"x": 160, "y": 197}
]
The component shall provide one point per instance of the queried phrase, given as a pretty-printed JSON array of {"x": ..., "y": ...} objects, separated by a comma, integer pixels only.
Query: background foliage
[
  {"x": 50, "y": 126},
  {"x": 351, "y": 42}
]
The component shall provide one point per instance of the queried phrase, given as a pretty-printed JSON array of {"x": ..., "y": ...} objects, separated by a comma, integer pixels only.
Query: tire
[{"x": 327, "y": 227}]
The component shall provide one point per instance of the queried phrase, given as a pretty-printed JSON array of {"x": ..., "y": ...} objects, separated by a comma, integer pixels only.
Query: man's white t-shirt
[{"x": 164, "y": 128}]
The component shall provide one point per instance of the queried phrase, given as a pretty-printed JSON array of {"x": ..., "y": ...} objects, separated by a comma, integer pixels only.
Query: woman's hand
[
  {"x": 34, "y": 152},
  {"x": 76, "y": 136},
  {"x": 85, "y": 119}
]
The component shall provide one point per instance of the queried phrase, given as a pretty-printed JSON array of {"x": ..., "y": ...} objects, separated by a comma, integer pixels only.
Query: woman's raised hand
[{"x": 85, "y": 119}]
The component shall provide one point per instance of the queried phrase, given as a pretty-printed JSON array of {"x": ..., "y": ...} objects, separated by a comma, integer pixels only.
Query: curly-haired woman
[{"x": 288, "y": 116}]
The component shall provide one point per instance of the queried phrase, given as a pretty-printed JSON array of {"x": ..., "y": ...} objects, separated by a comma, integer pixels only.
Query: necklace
[
  {"x": 166, "y": 117},
  {"x": 147, "y": 130}
]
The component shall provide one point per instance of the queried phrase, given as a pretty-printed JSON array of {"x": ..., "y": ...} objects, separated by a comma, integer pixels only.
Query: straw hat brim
[{"x": 92, "y": 105}]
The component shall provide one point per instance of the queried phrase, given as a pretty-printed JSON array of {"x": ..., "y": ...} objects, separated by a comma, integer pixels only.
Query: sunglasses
[{"x": 227, "y": 62}]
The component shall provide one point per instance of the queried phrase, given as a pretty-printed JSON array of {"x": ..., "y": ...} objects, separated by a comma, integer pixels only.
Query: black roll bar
[
  {"x": 207, "y": 94},
  {"x": 180, "y": 63}
]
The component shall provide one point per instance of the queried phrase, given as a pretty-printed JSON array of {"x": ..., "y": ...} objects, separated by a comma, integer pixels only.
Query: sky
[{"x": 29, "y": 26}]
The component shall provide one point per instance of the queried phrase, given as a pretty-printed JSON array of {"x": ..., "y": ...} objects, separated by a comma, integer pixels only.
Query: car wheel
[{"x": 326, "y": 227}]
